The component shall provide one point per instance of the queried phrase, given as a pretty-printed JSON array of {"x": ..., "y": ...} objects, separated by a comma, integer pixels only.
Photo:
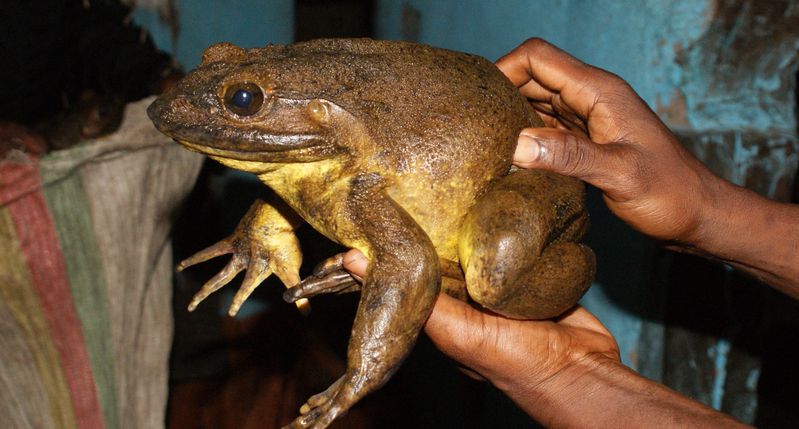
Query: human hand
[
  {"x": 603, "y": 133},
  {"x": 564, "y": 372},
  {"x": 519, "y": 357}
]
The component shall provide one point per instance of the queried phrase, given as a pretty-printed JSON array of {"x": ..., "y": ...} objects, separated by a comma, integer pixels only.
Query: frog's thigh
[{"x": 518, "y": 246}]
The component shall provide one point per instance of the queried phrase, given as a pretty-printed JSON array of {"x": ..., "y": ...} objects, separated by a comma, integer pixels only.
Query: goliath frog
[{"x": 401, "y": 151}]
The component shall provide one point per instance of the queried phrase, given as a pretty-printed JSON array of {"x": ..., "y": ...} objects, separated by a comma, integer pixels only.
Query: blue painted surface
[
  {"x": 638, "y": 40},
  {"x": 719, "y": 354},
  {"x": 634, "y": 39},
  {"x": 247, "y": 23},
  {"x": 624, "y": 325}
]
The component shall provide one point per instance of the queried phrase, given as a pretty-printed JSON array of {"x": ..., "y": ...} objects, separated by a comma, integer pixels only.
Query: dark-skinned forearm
[
  {"x": 600, "y": 392},
  {"x": 751, "y": 233}
]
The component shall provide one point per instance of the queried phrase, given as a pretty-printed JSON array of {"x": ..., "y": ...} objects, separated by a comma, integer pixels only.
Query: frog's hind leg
[{"x": 518, "y": 246}]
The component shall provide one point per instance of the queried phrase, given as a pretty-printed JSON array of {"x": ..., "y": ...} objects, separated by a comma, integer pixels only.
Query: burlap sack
[{"x": 85, "y": 279}]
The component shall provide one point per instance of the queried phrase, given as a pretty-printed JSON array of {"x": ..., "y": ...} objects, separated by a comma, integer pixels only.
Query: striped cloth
[{"x": 85, "y": 279}]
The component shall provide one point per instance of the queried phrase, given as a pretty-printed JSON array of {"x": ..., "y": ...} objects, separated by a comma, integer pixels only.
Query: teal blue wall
[
  {"x": 634, "y": 39},
  {"x": 247, "y": 23}
]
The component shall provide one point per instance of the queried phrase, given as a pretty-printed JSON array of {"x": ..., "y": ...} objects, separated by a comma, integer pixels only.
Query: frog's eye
[{"x": 244, "y": 99}]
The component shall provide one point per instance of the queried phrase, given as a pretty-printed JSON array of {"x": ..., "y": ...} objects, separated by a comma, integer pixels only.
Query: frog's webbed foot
[
  {"x": 321, "y": 409},
  {"x": 320, "y": 398},
  {"x": 235, "y": 266},
  {"x": 328, "y": 277},
  {"x": 254, "y": 260},
  {"x": 263, "y": 243}
]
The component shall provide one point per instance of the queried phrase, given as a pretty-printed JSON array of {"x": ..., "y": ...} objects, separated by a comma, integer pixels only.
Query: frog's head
[{"x": 250, "y": 109}]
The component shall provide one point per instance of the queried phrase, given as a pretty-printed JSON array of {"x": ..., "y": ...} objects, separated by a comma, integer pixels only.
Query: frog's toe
[
  {"x": 323, "y": 408},
  {"x": 257, "y": 271},
  {"x": 223, "y": 247},
  {"x": 329, "y": 265},
  {"x": 320, "y": 398},
  {"x": 334, "y": 282},
  {"x": 235, "y": 266}
]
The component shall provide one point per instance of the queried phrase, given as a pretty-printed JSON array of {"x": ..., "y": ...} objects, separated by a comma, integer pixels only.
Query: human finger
[
  {"x": 549, "y": 120},
  {"x": 356, "y": 263},
  {"x": 462, "y": 332},
  {"x": 575, "y": 155},
  {"x": 534, "y": 91},
  {"x": 579, "y": 317},
  {"x": 555, "y": 71}
]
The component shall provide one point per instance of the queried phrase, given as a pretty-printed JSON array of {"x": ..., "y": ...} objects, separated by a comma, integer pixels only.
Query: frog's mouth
[
  {"x": 276, "y": 148},
  {"x": 214, "y": 136}
]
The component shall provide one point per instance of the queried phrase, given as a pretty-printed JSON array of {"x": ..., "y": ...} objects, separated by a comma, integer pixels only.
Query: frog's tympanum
[{"x": 402, "y": 151}]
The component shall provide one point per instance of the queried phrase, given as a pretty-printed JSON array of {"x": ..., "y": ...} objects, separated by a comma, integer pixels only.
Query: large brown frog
[{"x": 402, "y": 151}]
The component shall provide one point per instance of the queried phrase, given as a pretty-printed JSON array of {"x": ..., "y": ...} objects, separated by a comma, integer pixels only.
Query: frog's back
[{"x": 432, "y": 109}]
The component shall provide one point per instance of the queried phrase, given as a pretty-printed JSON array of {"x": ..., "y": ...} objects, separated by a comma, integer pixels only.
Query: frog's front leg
[
  {"x": 397, "y": 296},
  {"x": 263, "y": 243}
]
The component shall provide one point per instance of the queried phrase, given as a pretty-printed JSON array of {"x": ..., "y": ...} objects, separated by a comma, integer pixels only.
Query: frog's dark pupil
[{"x": 242, "y": 99}]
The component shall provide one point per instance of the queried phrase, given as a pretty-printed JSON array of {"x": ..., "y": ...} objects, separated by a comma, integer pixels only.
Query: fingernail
[
  {"x": 352, "y": 257},
  {"x": 355, "y": 263},
  {"x": 527, "y": 150}
]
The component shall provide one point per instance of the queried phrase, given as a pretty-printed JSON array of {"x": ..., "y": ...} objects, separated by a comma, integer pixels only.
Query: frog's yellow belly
[{"x": 437, "y": 206}]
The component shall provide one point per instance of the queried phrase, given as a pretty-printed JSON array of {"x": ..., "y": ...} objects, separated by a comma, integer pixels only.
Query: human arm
[
  {"x": 565, "y": 373},
  {"x": 603, "y": 133}
]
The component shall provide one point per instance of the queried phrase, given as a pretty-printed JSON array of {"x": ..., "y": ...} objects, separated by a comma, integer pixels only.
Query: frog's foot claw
[
  {"x": 321, "y": 409},
  {"x": 223, "y": 247},
  {"x": 328, "y": 277}
]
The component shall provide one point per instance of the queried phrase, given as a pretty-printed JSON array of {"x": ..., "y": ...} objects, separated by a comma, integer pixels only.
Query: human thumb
[
  {"x": 356, "y": 263},
  {"x": 461, "y": 331},
  {"x": 560, "y": 151}
]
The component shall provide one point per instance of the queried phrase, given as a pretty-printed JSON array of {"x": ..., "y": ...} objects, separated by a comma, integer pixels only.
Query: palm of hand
[{"x": 516, "y": 355}]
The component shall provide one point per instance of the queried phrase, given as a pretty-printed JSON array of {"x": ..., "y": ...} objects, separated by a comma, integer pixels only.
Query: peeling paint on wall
[{"x": 740, "y": 71}]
